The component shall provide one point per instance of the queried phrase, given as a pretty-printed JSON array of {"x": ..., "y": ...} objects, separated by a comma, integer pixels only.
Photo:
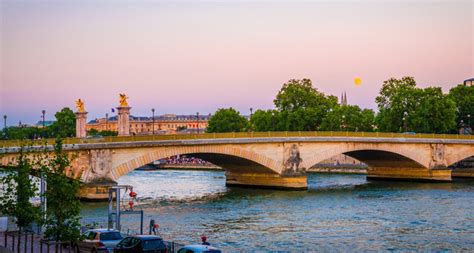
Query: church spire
[{"x": 343, "y": 98}]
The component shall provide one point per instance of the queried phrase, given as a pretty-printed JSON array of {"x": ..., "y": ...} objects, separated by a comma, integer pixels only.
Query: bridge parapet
[{"x": 238, "y": 135}]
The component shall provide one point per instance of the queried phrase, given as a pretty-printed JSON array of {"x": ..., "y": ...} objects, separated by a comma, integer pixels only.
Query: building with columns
[{"x": 163, "y": 124}]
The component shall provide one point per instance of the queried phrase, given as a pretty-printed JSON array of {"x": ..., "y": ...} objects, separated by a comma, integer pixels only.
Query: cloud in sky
[{"x": 183, "y": 57}]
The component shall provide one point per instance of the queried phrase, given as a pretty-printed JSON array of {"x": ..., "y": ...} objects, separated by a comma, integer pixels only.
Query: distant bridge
[{"x": 263, "y": 159}]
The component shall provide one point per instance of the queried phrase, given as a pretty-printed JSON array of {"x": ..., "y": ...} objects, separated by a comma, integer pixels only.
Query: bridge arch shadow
[
  {"x": 372, "y": 158},
  {"x": 232, "y": 160}
]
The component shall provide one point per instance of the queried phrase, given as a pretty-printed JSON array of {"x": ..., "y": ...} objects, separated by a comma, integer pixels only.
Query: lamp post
[
  {"x": 153, "y": 120},
  {"x": 469, "y": 120},
  {"x": 43, "y": 180},
  {"x": 405, "y": 114},
  {"x": 250, "y": 119},
  {"x": 197, "y": 120},
  {"x": 343, "y": 122},
  {"x": 43, "y": 112},
  {"x": 5, "y": 122},
  {"x": 106, "y": 122}
]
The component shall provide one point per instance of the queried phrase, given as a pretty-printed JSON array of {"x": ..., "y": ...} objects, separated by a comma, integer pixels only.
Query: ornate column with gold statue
[
  {"x": 81, "y": 119},
  {"x": 123, "y": 116}
]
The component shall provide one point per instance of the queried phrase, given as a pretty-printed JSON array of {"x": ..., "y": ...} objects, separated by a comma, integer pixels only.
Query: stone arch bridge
[{"x": 271, "y": 162}]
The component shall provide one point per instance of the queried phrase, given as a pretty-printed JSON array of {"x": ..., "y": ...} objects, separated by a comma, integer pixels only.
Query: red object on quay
[{"x": 133, "y": 194}]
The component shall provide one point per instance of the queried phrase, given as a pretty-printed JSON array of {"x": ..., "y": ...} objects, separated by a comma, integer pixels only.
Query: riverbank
[
  {"x": 181, "y": 166},
  {"x": 341, "y": 169},
  {"x": 338, "y": 170}
]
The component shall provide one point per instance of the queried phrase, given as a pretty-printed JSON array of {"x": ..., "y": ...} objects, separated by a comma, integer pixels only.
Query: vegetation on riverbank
[{"x": 60, "y": 219}]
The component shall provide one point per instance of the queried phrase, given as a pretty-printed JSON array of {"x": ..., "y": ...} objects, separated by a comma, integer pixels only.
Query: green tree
[
  {"x": 463, "y": 96},
  {"x": 227, "y": 120},
  {"x": 65, "y": 124},
  {"x": 95, "y": 132},
  {"x": 62, "y": 214},
  {"x": 301, "y": 107},
  {"x": 17, "y": 189},
  {"x": 22, "y": 133},
  {"x": 435, "y": 112},
  {"x": 263, "y": 121},
  {"x": 349, "y": 118},
  {"x": 404, "y": 107},
  {"x": 397, "y": 97}
]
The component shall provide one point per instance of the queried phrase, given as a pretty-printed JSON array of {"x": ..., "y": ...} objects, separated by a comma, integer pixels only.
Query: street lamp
[
  {"x": 197, "y": 119},
  {"x": 5, "y": 122},
  {"x": 43, "y": 112},
  {"x": 153, "y": 119},
  {"x": 405, "y": 114},
  {"x": 106, "y": 122},
  {"x": 251, "y": 111},
  {"x": 344, "y": 122},
  {"x": 469, "y": 120}
]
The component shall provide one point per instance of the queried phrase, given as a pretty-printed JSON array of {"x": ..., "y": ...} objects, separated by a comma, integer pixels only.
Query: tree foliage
[
  {"x": 95, "y": 132},
  {"x": 463, "y": 97},
  {"x": 65, "y": 124},
  {"x": 434, "y": 113},
  {"x": 227, "y": 120},
  {"x": 349, "y": 118},
  {"x": 299, "y": 94},
  {"x": 396, "y": 97},
  {"x": 404, "y": 107},
  {"x": 17, "y": 189},
  {"x": 62, "y": 213},
  {"x": 299, "y": 107},
  {"x": 22, "y": 133}
]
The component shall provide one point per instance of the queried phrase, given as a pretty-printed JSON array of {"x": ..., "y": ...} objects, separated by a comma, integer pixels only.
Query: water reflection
[{"x": 338, "y": 212}]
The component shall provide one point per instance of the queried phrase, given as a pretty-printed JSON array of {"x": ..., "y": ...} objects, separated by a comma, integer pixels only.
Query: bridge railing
[{"x": 13, "y": 143}]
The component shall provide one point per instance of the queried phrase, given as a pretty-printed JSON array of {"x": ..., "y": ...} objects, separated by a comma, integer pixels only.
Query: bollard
[
  {"x": 19, "y": 242},
  {"x": 26, "y": 242}
]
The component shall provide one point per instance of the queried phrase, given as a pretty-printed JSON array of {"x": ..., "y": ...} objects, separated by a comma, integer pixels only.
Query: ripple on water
[{"x": 338, "y": 212}]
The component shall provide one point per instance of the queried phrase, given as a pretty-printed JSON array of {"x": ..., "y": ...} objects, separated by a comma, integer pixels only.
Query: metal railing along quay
[{"x": 106, "y": 139}]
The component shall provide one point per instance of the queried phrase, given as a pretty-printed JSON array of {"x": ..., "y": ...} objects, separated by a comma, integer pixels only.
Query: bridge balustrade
[{"x": 16, "y": 143}]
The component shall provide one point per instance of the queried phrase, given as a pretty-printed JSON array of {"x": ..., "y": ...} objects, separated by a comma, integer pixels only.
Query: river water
[{"x": 337, "y": 213}]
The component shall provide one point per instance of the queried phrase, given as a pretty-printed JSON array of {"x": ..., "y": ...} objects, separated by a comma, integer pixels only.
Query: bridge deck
[{"x": 245, "y": 135}]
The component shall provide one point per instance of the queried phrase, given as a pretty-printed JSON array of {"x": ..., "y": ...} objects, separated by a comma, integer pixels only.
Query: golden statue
[
  {"x": 123, "y": 100},
  {"x": 80, "y": 105}
]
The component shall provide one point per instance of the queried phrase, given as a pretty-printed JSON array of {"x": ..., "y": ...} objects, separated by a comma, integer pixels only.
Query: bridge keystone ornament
[
  {"x": 292, "y": 161},
  {"x": 438, "y": 160},
  {"x": 100, "y": 166}
]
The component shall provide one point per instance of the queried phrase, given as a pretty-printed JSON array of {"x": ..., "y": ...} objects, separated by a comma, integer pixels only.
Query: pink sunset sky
[{"x": 192, "y": 56}]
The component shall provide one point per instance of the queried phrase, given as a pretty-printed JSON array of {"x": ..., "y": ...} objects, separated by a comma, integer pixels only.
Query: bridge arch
[
  {"x": 459, "y": 155},
  {"x": 230, "y": 158},
  {"x": 365, "y": 151}
]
